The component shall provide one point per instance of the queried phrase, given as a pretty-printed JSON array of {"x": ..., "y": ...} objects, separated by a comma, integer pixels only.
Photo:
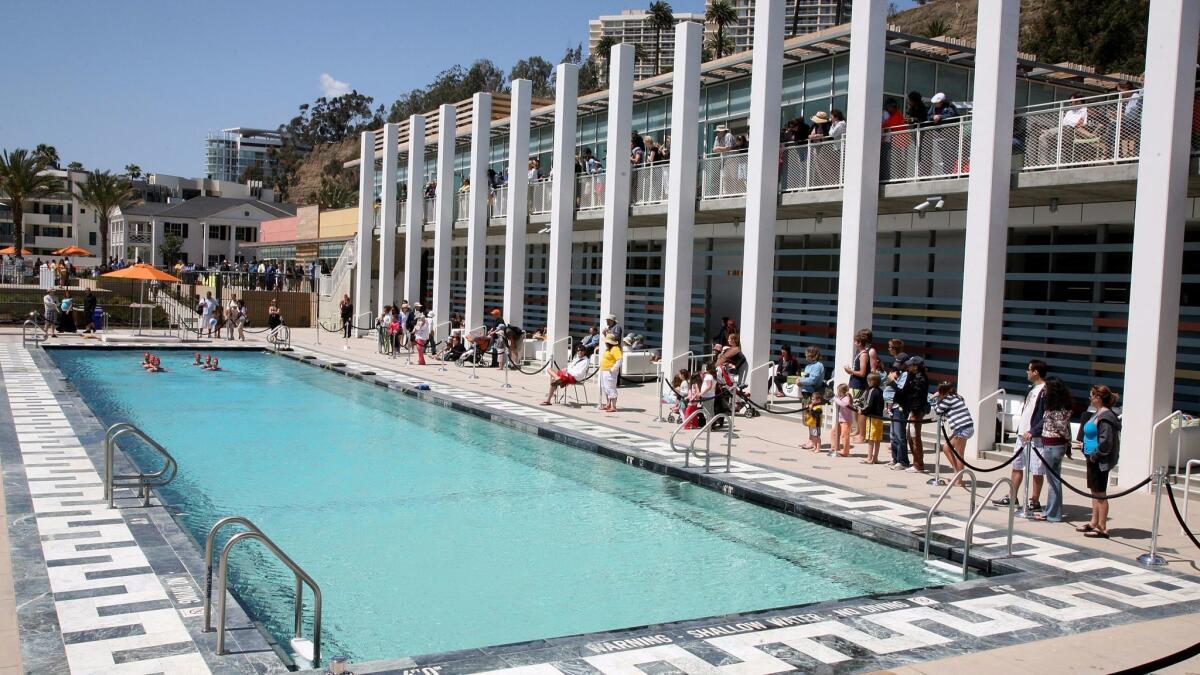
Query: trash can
[{"x": 98, "y": 318}]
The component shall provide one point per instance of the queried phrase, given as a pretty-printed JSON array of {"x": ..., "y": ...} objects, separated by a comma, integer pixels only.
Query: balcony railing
[
  {"x": 723, "y": 175},
  {"x": 813, "y": 166},
  {"x": 1098, "y": 130},
  {"x": 650, "y": 183},
  {"x": 430, "y": 210},
  {"x": 589, "y": 191},
  {"x": 540, "y": 195},
  {"x": 462, "y": 206},
  {"x": 926, "y": 152},
  {"x": 499, "y": 202}
]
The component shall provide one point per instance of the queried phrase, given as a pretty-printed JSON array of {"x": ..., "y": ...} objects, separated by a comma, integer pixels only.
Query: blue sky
[{"x": 142, "y": 81}]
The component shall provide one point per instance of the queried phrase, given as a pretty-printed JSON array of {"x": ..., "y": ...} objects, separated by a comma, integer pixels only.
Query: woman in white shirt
[
  {"x": 420, "y": 334},
  {"x": 839, "y": 123}
]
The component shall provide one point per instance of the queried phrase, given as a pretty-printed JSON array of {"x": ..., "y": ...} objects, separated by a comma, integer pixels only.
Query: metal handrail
[
  {"x": 1154, "y": 430},
  {"x": 208, "y": 557},
  {"x": 682, "y": 424},
  {"x": 941, "y": 497},
  {"x": 33, "y": 337},
  {"x": 278, "y": 342},
  {"x": 302, "y": 579},
  {"x": 707, "y": 431},
  {"x": 367, "y": 314},
  {"x": 970, "y": 530},
  {"x": 985, "y": 399},
  {"x": 1187, "y": 487},
  {"x": 143, "y": 481}
]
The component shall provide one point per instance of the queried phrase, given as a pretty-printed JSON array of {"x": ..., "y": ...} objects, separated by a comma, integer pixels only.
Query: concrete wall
[
  {"x": 280, "y": 229},
  {"x": 338, "y": 223}
]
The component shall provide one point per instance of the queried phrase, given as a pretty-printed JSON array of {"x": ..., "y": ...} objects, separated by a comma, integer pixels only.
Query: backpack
[{"x": 410, "y": 322}]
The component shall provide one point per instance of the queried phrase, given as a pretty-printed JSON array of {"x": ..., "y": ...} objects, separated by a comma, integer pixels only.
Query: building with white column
[{"x": 878, "y": 215}]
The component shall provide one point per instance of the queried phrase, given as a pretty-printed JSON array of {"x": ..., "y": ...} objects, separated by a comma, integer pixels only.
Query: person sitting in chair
[{"x": 574, "y": 373}]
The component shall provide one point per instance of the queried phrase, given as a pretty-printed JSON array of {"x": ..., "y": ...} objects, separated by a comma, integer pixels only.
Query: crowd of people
[
  {"x": 255, "y": 274},
  {"x": 58, "y": 316}
]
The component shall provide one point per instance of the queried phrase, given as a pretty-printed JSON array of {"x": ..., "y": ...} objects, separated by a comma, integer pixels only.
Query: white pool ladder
[
  {"x": 142, "y": 481},
  {"x": 705, "y": 431},
  {"x": 302, "y": 648},
  {"x": 30, "y": 333},
  {"x": 969, "y": 530}
]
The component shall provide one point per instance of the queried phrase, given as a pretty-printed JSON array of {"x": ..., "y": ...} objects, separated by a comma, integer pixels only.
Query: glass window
[
  {"x": 718, "y": 102},
  {"x": 922, "y": 77},
  {"x": 739, "y": 98},
  {"x": 818, "y": 79},
  {"x": 841, "y": 74},
  {"x": 1040, "y": 93},
  {"x": 893, "y": 75},
  {"x": 793, "y": 84},
  {"x": 952, "y": 81}
]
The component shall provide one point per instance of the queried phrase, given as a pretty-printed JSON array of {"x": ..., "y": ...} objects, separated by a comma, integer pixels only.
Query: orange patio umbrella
[
  {"x": 72, "y": 250},
  {"x": 9, "y": 250},
  {"x": 142, "y": 272}
]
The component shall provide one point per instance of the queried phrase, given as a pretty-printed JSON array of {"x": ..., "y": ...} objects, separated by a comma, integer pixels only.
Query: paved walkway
[{"x": 10, "y": 645}]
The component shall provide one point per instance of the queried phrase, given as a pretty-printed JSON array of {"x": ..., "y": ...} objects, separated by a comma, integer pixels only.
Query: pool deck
[{"x": 1067, "y": 600}]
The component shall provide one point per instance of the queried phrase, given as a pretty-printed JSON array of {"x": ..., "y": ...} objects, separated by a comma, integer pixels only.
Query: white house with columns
[{"x": 1029, "y": 225}]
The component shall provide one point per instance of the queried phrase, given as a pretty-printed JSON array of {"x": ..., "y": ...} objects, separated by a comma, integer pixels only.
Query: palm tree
[
  {"x": 133, "y": 171},
  {"x": 661, "y": 18},
  {"x": 75, "y": 166},
  {"x": 718, "y": 45},
  {"x": 722, "y": 13},
  {"x": 603, "y": 51},
  {"x": 334, "y": 193},
  {"x": 47, "y": 153},
  {"x": 21, "y": 179},
  {"x": 104, "y": 192}
]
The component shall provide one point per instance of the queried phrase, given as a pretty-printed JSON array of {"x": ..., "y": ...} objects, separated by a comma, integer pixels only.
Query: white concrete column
[
  {"x": 987, "y": 214},
  {"x": 366, "y": 223},
  {"x": 762, "y": 188},
  {"x": 562, "y": 206},
  {"x": 860, "y": 196},
  {"x": 153, "y": 257},
  {"x": 387, "y": 218},
  {"x": 1158, "y": 232},
  {"x": 681, "y": 195},
  {"x": 616, "y": 182},
  {"x": 443, "y": 228},
  {"x": 477, "y": 213},
  {"x": 414, "y": 210},
  {"x": 517, "y": 221}
]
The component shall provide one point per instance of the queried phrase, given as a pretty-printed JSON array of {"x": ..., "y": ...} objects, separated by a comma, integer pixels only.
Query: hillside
[
  {"x": 308, "y": 177},
  {"x": 958, "y": 16}
]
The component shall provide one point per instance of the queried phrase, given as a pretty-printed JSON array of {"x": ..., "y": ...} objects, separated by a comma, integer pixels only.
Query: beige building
[
  {"x": 633, "y": 26},
  {"x": 814, "y": 15}
]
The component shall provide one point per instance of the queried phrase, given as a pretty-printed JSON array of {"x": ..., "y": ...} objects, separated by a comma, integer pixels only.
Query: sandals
[
  {"x": 1096, "y": 534},
  {"x": 1086, "y": 527}
]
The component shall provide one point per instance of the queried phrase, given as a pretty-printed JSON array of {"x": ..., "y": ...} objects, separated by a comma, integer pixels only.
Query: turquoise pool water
[{"x": 430, "y": 530}]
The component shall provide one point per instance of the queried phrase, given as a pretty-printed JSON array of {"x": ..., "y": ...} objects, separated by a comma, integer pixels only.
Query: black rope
[
  {"x": 1158, "y": 664},
  {"x": 1081, "y": 493},
  {"x": 745, "y": 397},
  {"x": 1179, "y": 516},
  {"x": 535, "y": 372},
  {"x": 589, "y": 376},
  {"x": 971, "y": 466}
]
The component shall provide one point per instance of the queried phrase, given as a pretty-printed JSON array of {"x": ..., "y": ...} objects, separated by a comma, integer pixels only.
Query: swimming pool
[{"x": 430, "y": 530}]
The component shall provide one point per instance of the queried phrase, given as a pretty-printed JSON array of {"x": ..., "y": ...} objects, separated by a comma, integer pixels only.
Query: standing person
[
  {"x": 208, "y": 307},
  {"x": 1100, "y": 438},
  {"x": 242, "y": 319},
  {"x": 50, "y": 313},
  {"x": 346, "y": 308},
  {"x": 839, "y": 435},
  {"x": 872, "y": 412},
  {"x": 708, "y": 391},
  {"x": 857, "y": 370},
  {"x": 1056, "y": 443},
  {"x": 785, "y": 367},
  {"x": 916, "y": 403},
  {"x": 812, "y": 420},
  {"x": 89, "y": 311},
  {"x": 893, "y": 396},
  {"x": 693, "y": 401},
  {"x": 733, "y": 359},
  {"x": 274, "y": 314},
  {"x": 611, "y": 327},
  {"x": 1029, "y": 434},
  {"x": 915, "y": 110},
  {"x": 66, "y": 320},
  {"x": 420, "y": 334},
  {"x": 610, "y": 368},
  {"x": 953, "y": 412},
  {"x": 231, "y": 319}
]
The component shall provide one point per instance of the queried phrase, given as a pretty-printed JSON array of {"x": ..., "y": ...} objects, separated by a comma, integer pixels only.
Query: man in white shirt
[
  {"x": 724, "y": 140},
  {"x": 208, "y": 319},
  {"x": 1073, "y": 119},
  {"x": 1029, "y": 437}
]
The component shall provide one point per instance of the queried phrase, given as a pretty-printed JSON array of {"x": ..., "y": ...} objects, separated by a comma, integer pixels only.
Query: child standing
[
  {"x": 953, "y": 413},
  {"x": 812, "y": 420},
  {"x": 693, "y": 402},
  {"x": 873, "y": 418},
  {"x": 840, "y": 434}
]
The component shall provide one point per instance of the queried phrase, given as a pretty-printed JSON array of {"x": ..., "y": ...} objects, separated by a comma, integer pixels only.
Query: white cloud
[{"x": 333, "y": 87}]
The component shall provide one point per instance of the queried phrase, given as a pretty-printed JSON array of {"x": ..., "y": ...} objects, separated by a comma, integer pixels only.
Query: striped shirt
[{"x": 953, "y": 409}]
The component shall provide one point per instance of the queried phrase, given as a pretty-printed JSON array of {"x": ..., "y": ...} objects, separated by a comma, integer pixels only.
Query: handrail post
[
  {"x": 1152, "y": 558},
  {"x": 937, "y": 456},
  {"x": 941, "y": 497},
  {"x": 1187, "y": 489},
  {"x": 475, "y": 356},
  {"x": 969, "y": 530}
]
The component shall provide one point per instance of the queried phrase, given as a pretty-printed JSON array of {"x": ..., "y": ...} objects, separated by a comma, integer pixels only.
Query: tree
[
  {"x": 334, "y": 193},
  {"x": 48, "y": 154},
  {"x": 252, "y": 172},
  {"x": 170, "y": 248},
  {"x": 133, "y": 171},
  {"x": 604, "y": 53},
  {"x": 1107, "y": 34},
  {"x": 287, "y": 159},
  {"x": 332, "y": 120},
  {"x": 75, "y": 166},
  {"x": 21, "y": 179},
  {"x": 936, "y": 28},
  {"x": 661, "y": 18},
  {"x": 537, "y": 70},
  {"x": 104, "y": 192},
  {"x": 718, "y": 45},
  {"x": 722, "y": 13}
]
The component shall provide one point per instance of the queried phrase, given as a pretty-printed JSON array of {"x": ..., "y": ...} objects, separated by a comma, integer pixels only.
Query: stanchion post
[
  {"x": 1027, "y": 448},
  {"x": 660, "y": 393},
  {"x": 1152, "y": 558},
  {"x": 937, "y": 457},
  {"x": 506, "y": 384}
]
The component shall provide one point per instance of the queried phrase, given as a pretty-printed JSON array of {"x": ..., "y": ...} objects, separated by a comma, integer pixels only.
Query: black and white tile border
[
  {"x": 99, "y": 590},
  {"x": 1053, "y": 589}
]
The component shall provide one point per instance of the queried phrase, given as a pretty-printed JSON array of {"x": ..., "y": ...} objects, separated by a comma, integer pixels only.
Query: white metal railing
[
  {"x": 462, "y": 206},
  {"x": 813, "y": 166},
  {"x": 430, "y": 209},
  {"x": 926, "y": 152},
  {"x": 589, "y": 191},
  {"x": 499, "y": 202},
  {"x": 1097, "y": 130},
  {"x": 650, "y": 183},
  {"x": 723, "y": 175},
  {"x": 540, "y": 192}
]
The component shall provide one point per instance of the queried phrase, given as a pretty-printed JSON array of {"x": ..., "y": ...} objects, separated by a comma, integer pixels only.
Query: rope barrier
[
  {"x": 1081, "y": 493},
  {"x": 1158, "y": 664},
  {"x": 745, "y": 397},
  {"x": 979, "y": 469},
  {"x": 1179, "y": 516},
  {"x": 535, "y": 372}
]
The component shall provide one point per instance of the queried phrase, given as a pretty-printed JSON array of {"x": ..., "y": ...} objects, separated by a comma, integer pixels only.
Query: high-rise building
[
  {"x": 633, "y": 26},
  {"x": 230, "y": 152},
  {"x": 803, "y": 17}
]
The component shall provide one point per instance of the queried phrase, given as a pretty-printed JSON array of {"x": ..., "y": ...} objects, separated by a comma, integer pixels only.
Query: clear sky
[{"x": 143, "y": 81}]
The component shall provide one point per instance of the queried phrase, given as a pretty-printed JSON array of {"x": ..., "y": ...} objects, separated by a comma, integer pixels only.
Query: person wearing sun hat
[
  {"x": 820, "y": 127},
  {"x": 610, "y": 368},
  {"x": 724, "y": 139}
]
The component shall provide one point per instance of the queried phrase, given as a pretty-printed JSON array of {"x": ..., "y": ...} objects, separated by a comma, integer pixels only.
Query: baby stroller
[
  {"x": 741, "y": 405},
  {"x": 675, "y": 414}
]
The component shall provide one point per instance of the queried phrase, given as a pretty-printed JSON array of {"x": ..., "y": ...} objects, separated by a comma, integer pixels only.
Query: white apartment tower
[
  {"x": 229, "y": 152},
  {"x": 632, "y": 26},
  {"x": 803, "y": 17}
]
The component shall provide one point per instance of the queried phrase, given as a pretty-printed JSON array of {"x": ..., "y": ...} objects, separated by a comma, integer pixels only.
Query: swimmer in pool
[{"x": 197, "y": 362}]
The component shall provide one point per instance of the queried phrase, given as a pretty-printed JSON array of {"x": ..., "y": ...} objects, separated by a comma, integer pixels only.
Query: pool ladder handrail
[
  {"x": 143, "y": 481},
  {"x": 969, "y": 532},
  {"x": 706, "y": 431},
  {"x": 27, "y": 337},
  {"x": 302, "y": 579},
  {"x": 938, "y": 502},
  {"x": 280, "y": 337}
]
